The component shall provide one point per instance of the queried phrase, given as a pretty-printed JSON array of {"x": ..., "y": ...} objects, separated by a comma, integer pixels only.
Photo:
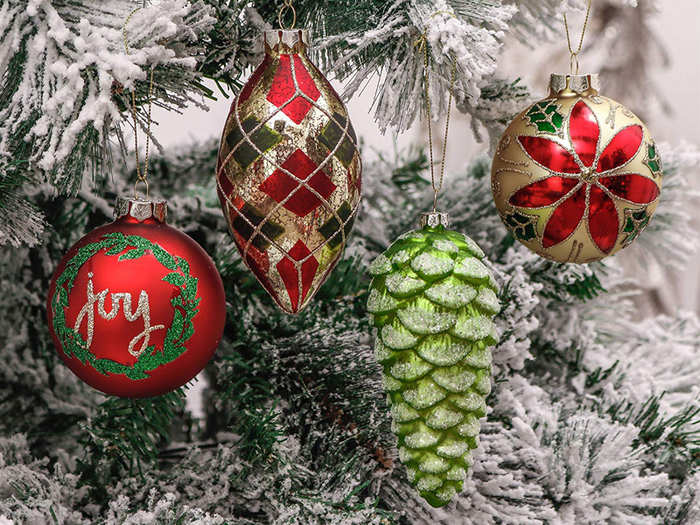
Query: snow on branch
[
  {"x": 467, "y": 35},
  {"x": 67, "y": 73}
]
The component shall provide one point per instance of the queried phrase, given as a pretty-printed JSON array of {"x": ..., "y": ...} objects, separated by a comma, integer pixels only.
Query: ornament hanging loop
[
  {"x": 573, "y": 59},
  {"x": 283, "y": 12},
  {"x": 141, "y": 176},
  {"x": 573, "y": 64},
  {"x": 422, "y": 44},
  {"x": 438, "y": 188}
]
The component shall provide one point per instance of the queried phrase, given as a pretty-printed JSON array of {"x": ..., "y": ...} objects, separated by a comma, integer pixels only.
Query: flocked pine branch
[
  {"x": 386, "y": 41},
  {"x": 67, "y": 82},
  {"x": 297, "y": 428},
  {"x": 625, "y": 58},
  {"x": 593, "y": 413},
  {"x": 368, "y": 40}
]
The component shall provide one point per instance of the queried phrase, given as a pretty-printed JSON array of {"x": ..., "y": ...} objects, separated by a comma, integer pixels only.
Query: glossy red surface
[
  {"x": 584, "y": 136},
  {"x": 621, "y": 149},
  {"x": 549, "y": 154},
  {"x": 584, "y": 133},
  {"x": 257, "y": 261},
  {"x": 602, "y": 220},
  {"x": 291, "y": 273},
  {"x": 253, "y": 81},
  {"x": 107, "y": 275},
  {"x": 544, "y": 192},
  {"x": 632, "y": 187},
  {"x": 565, "y": 218},
  {"x": 283, "y": 88}
]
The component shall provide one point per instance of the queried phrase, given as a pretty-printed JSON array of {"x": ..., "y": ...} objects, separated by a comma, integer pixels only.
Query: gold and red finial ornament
[
  {"x": 136, "y": 308},
  {"x": 289, "y": 171},
  {"x": 576, "y": 177}
]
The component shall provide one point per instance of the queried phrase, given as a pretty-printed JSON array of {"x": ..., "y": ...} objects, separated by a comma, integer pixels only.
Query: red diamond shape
[
  {"x": 279, "y": 184},
  {"x": 290, "y": 273},
  {"x": 283, "y": 88}
]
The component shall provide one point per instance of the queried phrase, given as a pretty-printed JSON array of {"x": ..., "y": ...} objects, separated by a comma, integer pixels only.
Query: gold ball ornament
[{"x": 576, "y": 177}]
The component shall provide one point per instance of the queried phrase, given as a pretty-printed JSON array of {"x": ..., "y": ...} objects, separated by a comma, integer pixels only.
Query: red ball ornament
[
  {"x": 289, "y": 172},
  {"x": 136, "y": 308}
]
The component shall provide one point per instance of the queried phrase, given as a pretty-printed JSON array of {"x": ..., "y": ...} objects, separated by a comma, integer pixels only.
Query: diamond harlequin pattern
[
  {"x": 284, "y": 91},
  {"x": 289, "y": 173},
  {"x": 331, "y": 229},
  {"x": 299, "y": 272},
  {"x": 583, "y": 184},
  {"x": 247, "y": 220},
  {"x": 333, "y": 136},
  {"x": 303, "y": 201},
  {"x": 248, "y": 144}
]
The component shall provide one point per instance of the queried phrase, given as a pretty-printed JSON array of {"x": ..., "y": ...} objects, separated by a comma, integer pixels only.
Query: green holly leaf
[
  {"x": 184, "y": 265},
  {"x": 174, "y": 278},
  {"x": 190, "y": 291},
  {"x": 163, "y": 257},
  {"x": 134, "y": 253},
  {"x": 653, "y": 161},
  {"x": 149, "y": 360},
  {"x": 135, "y": 374},
  {"x": 176, "y": 325},
  {"x": 117, "y": 248},
  {"x": 62, "y": 297},
  {"x": 545, "y": 116},
  {"x": 189, "y": 332}
]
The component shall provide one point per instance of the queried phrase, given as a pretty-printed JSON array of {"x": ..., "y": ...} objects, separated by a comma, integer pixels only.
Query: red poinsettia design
[{"x": 583, "y": 183}]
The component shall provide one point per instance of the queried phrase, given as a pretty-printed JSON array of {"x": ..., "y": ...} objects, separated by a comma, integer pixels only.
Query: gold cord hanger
[
  {"x": 141, "y": 176},
  {"x": 573, "y": 60},
  {"x": 423, "y": 42},
  {"x": 283, "y": 11}
]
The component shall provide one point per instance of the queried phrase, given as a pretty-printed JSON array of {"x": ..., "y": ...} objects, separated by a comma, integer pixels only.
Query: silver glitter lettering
[{"x": 142, "y": 311}]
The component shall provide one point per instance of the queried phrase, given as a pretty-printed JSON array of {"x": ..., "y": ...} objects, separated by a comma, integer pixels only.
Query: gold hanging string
[
  {"x": 573, "y": 60},
  {"x": 282, "y": 13},
  {"x": 141, "y": 176},
  {"x": 423, "y": 43}
]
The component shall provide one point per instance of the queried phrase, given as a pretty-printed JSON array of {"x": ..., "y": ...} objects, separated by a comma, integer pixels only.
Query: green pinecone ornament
[{"x": 433, "y": 301}]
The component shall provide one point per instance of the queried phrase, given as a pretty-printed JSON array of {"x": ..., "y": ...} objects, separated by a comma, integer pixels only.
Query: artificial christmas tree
[{"x": 587, "y": 421}]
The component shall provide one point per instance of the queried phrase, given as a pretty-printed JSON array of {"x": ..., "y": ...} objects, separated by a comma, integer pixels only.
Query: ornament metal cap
[
  {"x": 141, "y": 209},
  {"x": 433, "y": 219},
  {"x": 562, "y": 85},
  {"x": 286, "y": 40}
]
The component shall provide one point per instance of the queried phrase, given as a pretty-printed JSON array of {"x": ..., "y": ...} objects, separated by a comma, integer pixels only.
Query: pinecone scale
[{"x": 432, "y": 301}]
